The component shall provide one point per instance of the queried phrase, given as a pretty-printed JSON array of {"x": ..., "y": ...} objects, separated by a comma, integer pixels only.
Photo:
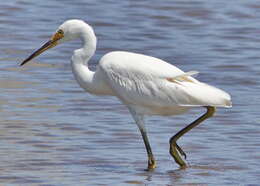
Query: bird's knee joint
[
  {"x": 211, "y": 111},
  {"x": 172, "y": 141}
]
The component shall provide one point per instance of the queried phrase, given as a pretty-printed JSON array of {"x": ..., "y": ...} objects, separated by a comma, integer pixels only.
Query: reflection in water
[{"x": 53, "y": 133}]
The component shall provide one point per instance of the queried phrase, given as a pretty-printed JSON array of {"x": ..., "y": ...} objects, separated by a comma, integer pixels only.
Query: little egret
[{"x": 145, "y": 84}]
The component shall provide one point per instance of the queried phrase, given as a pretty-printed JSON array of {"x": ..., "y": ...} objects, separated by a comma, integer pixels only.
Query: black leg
[
  {"x": 175, "y": 150},
  {"x": 139, "y": 119},
  {"x": 151, "y": 160}
]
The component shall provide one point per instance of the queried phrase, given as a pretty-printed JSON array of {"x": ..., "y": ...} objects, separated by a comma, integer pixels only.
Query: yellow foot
[
  {"x": 176, "y": 154},
  {"x": 151, "y": 165},
  {"x": 183, "y": 166}
]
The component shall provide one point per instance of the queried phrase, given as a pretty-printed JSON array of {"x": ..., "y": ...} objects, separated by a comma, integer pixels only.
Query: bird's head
[{"x": 67, "y": 31}]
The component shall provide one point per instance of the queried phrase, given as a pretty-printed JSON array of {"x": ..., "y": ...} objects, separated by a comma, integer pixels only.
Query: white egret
[{"x": 146, "y": 85}]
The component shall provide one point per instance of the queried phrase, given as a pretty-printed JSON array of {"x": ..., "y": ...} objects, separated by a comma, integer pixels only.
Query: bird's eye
[{"x": 60, "y": 32}]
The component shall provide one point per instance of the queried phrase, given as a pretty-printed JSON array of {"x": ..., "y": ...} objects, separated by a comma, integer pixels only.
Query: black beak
[{"x": 45, "y": 47}]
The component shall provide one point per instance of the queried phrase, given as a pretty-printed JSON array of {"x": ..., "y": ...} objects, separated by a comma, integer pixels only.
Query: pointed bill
[
  {"x": 50, "y": 44},
  {"x": 45, "y": 47}
]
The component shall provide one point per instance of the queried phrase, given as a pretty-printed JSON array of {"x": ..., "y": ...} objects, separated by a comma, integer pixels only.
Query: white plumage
[
  {"x": 155, "y": 85},
  {"x": 145, "y": 84}
]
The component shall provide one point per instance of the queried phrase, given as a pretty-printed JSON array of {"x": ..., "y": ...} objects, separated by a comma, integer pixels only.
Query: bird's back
[
  {"x": 139, "y": 64},
  {"x": 149, "y": 82}
]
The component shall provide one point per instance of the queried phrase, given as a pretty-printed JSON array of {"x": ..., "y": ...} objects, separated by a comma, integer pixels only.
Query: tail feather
[
  {"x": 206, "y": 95},
  {"x": 201, "y": 94}
]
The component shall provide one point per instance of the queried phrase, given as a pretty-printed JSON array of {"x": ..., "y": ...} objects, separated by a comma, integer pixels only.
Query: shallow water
[{"x": 53, "y": 133}]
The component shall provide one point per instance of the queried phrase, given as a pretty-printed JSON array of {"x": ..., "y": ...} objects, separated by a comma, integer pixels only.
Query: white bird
[{"x": 145, "y": 84}]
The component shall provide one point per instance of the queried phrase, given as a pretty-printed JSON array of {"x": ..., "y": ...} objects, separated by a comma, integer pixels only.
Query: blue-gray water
[{"x": 53, "y": 133}]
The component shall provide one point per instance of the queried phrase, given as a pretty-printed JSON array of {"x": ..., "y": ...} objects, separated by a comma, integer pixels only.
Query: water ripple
[{"x": 54, "y": 133}]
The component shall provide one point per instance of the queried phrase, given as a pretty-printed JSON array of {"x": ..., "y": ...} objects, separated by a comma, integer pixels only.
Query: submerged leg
[
  {"x": 140, "y": 123},
  {"x": 175, "y": 150},
  {"x": 151, "y": 160}
]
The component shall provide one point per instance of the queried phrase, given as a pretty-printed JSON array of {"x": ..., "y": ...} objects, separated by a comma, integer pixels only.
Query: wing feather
[{"x": 143, "y": 80}]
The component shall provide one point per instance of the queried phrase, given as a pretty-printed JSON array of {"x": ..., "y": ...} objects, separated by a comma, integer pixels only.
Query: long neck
[
  {"x": 88, "y": 80},
  {"x": 89, "y": 40}
]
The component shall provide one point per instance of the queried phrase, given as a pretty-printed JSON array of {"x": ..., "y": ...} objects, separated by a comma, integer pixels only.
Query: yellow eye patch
[{"x": 58, "y": 35}]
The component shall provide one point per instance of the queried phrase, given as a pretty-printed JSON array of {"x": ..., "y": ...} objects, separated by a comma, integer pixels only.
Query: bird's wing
[
  {"x": 145, "y": 67},
  {"x": 143, "y": 80}
]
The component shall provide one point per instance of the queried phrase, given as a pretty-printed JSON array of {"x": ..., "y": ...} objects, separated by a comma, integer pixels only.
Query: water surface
[{"x": 53, "y": 133}]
